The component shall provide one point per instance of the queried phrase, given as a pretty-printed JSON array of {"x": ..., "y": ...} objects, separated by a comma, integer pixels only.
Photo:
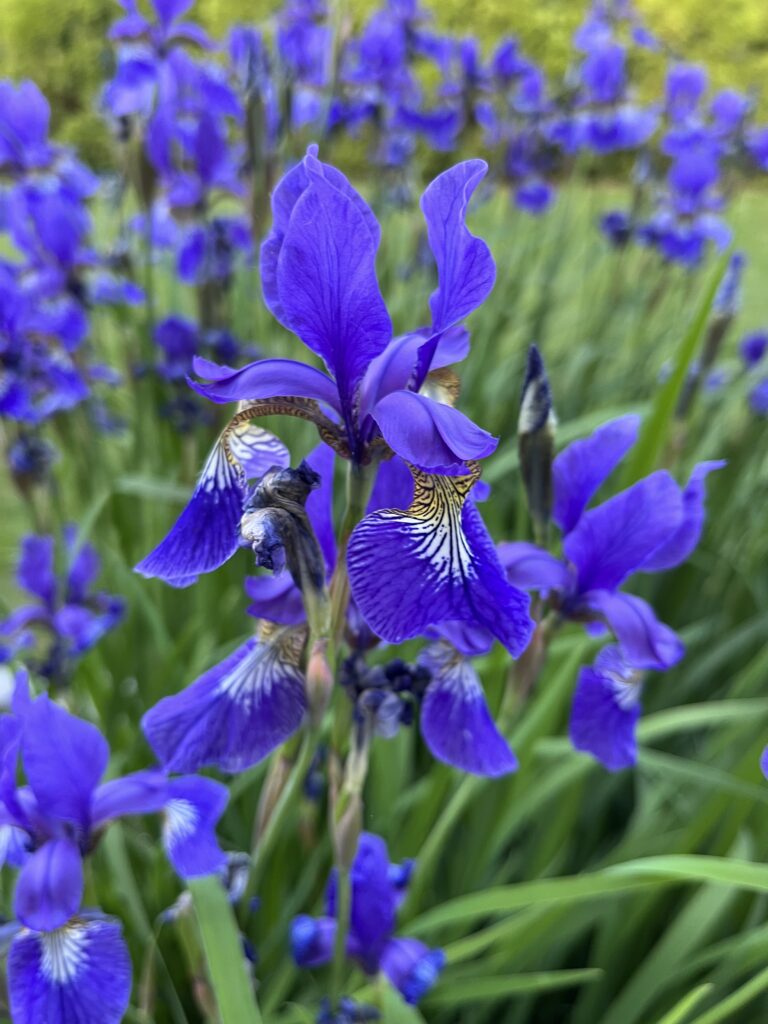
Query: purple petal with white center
[
  {"x": 615, "y": 539},
  {"x": 50, "y": 886},
  {"x": 645, "y": 642},
  {"x": 64, "y": 758},
  {"x": 465, "y": 268},
  {"x": 312, "y": 940},
  {"x": 256, "y": 450},
  {"x": 193, "y": 809},
  {"x": 412, "y": 967},
  {"x": 266, "y": 378},
  {"x": 142, "y": 792},
  {"x": 207, "y": 533},
  {"x": 236, "y": 713},
  {"x": 456, "y": 723},
  {"x": 320, "y": 279},
  {"x": 35, "y": 572},
  {"x": 580, "y": 469},
  {"x": 433, "y": 563},
  {"x": 606, "y": 708},
  {"x": 78, "y": 974},
  {"x": 430, "y": 434},
  {"x": 681, "y": 544},
  {"x": 531, "y": 568}
]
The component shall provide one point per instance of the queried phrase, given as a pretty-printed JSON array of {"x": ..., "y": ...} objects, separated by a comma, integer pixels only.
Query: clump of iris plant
[{"x": 67, "y": 962}]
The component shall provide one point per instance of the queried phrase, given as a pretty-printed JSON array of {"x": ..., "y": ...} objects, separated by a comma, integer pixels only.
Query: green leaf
[
  {"x": 726, "y": 1009},
  {"x": 224, "y": 953},
  {"x": 621, "y": 878},
  {"x": 680, "y": 1011},
  {"x": 654, "y": 435},
  {"x": 472, "y": 990}
]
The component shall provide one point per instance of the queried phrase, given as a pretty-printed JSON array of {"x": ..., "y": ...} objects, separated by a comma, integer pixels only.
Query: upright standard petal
[
  {"x": 77, "y": 974},
  {"x": 685, "y": 538},
  {"x": 456, "y": 723},
  {"x": 50, "y": 886},
  {"x": 412, "y": 967},
  {"x": 433, "y": 563},
  {"x": 429, "y": 434},
  {"x": 645, "y": 642},
  {"x": 322, "y": 279},
  {"x": 36, "y": 571},
  {"x": 580, "y": 469},
  {"x": 64, "y": 759},
  {"x": 193, "y": 809},
  {"x": 615, "y": 539},
  {"x": 374, "y": 901},
  {"x": 606, "y": 707},
  {"x": 207, "y": 533},
  {"x": 236, "y": 713},
  {"x": 465, "y": 269}
]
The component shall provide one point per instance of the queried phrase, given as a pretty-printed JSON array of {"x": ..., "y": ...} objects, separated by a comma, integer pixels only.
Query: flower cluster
[
  {"x": 67, "y": 962},
  {"x": 66, "y": 618}
]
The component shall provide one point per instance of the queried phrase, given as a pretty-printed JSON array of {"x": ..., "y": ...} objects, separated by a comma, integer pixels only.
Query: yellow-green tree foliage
[{"x": 62, "y": 43}]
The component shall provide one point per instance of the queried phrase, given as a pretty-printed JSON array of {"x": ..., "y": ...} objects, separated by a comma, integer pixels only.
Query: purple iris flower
[
  {"x": 66, "y": 609},
  {"x": 165, "y": 30},
  {"x": 319, "y": 280},
  {"x": 606, "y": 709},
  {"x": 753, "y": 347},
  {"x": 66, "y": 964},
  {"x": 378, "y": 889},
  {"x": 24, "y": 121},
  {"x": 650, "y": 527}
]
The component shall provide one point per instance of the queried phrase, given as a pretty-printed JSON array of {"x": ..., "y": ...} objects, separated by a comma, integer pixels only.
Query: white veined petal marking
[
  {"x": 274, "y": 658},
  {"x": 63, "y": 953},
  {"x": 626, "y": 688},
  {"x": 434, "y": 519},
  {"x": 219, "y": 474},
  {"x": 181, "y": 818}
]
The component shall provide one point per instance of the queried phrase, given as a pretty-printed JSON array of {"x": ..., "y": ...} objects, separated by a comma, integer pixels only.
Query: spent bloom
[{"x": 378, "y": 889}]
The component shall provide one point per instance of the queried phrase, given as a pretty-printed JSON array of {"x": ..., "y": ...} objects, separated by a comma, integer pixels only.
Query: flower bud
[
  {"x": 535, "y": 438},
  {"x": 319, "y": 681}
]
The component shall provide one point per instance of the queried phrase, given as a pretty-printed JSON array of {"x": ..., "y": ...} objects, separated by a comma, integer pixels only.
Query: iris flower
[
  {"x": 652, "y": 526},
  {"x": 66, "y": 964},
  {"x": 319, "y": 280},
  {"x": 606, "y": 709},
  {"x": 378, "y": 889}
]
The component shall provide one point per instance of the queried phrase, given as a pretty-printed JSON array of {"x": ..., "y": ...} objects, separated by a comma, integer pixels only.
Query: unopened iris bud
[
  {"x": 535, "y": 438},
  {"x": 276, "y": 525},
  {"x": 319, "y": 680}
]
